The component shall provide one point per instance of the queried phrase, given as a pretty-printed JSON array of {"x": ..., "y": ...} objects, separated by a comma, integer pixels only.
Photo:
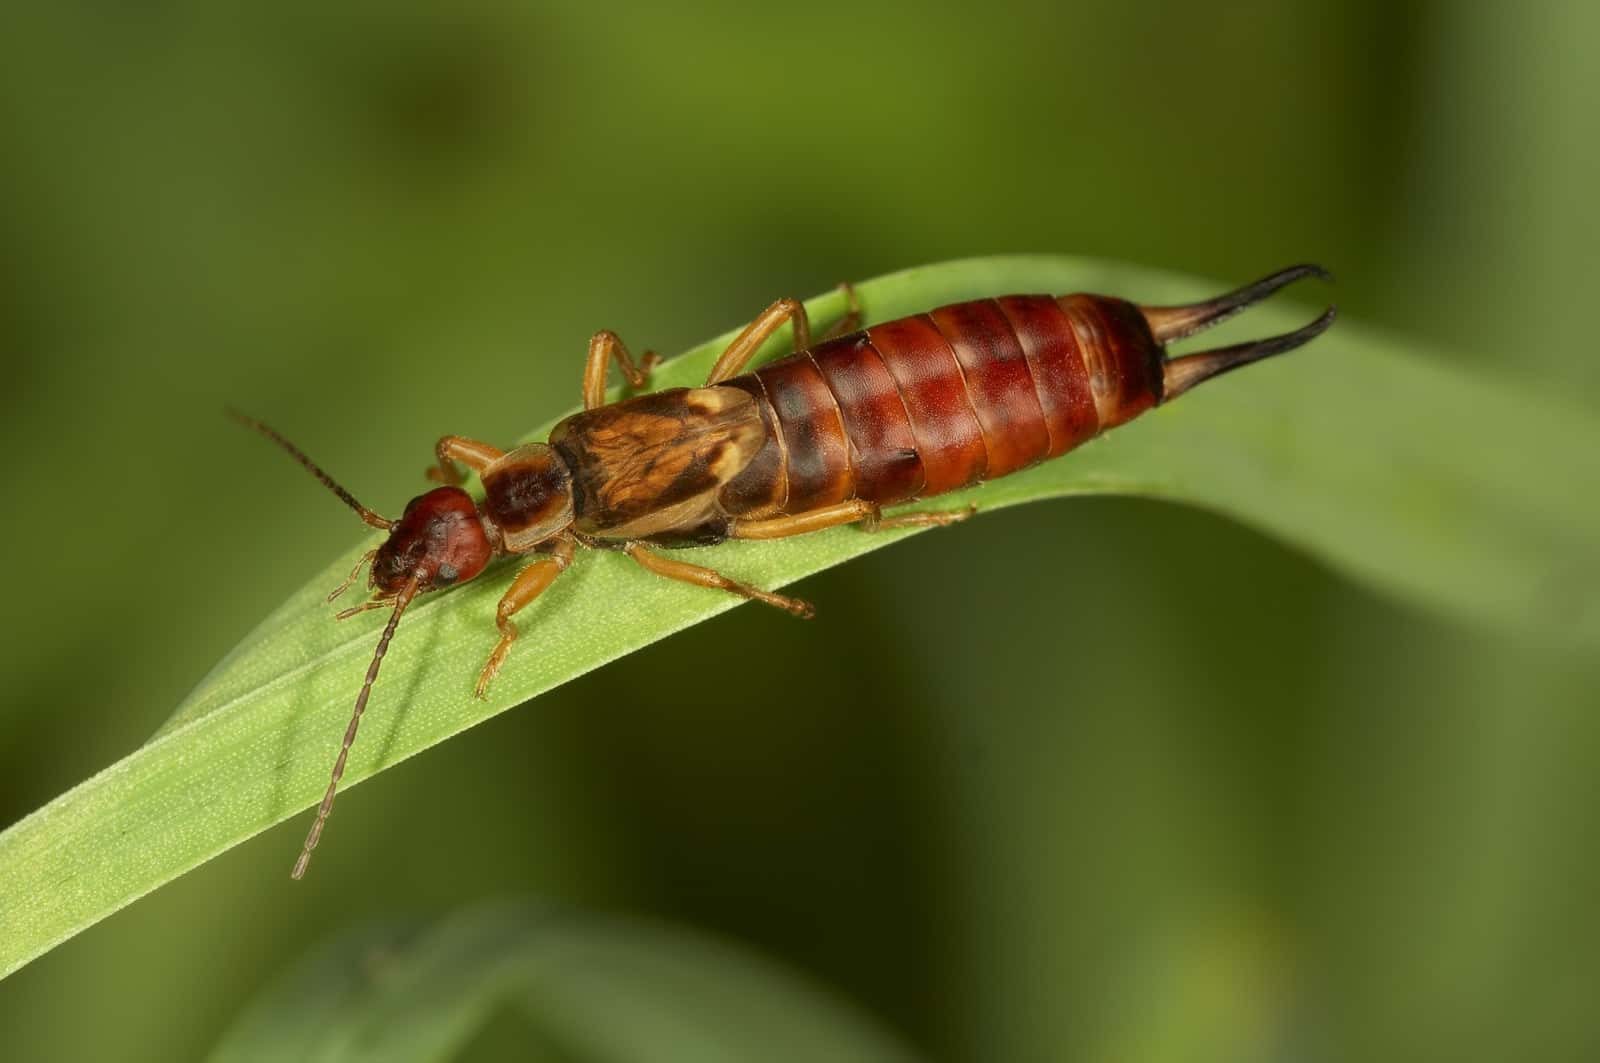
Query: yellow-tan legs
[
  {"x": 469, "y": 452},
  {"x": 705, "y": 577},
  {"x": 770, "y": 320},
  {"x": 531, "y": 582},
  {"x": 366, "y": 559},
  {"x": 868, "y": 514},
  {"x": 852, "y": 314},
  {"x": 748, "y": 342},
  {"x": 603, "y": 347}
]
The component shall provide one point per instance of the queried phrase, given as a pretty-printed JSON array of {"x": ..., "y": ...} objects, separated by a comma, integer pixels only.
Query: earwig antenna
[
  {"x": 1169, "y": 323},
  {"x": 1181, "y": 374},
  {"x": 403, "y": 599},
  {"x": 381, "y": 523}
]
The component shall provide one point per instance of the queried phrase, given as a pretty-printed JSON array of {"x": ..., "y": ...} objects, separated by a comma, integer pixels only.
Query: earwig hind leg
[
  {"x": 469, "y": 452},
  {"x": 852, "y": 315},
  {"x": 684, "y": 572},
  {"x": 748, "y": 342},
  {"x": 531, "y": 582},
  {"x": 868, "y": 514},
  {"x": 603, "y": 347},
  {"x": 938, "y": 518},
  {"x": 801, "y": 523}
]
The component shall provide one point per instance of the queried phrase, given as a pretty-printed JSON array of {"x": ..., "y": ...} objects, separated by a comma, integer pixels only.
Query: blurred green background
[{"x": 1100, "y": 780}]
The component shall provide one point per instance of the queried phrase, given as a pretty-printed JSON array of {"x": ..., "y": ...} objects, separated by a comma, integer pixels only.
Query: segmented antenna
[
  {"x": 381, "y": 523},
  {"x": 403, "y": 599}
]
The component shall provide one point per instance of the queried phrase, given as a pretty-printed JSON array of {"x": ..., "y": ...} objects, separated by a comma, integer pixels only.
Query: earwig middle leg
[
  {"x": 710, "y": 578},
  {"x": 868, "y": 514},
  {"x": 531, "y": 582},
  {"x": 469, "y": 452},
  {"x": 801, "y": 523},
  {"x": 748, "y": 342},
  {"x": 603, "y": 347}
]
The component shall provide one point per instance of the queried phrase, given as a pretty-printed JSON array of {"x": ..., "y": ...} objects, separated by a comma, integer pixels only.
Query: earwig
[{"x": 832, "y": 434}]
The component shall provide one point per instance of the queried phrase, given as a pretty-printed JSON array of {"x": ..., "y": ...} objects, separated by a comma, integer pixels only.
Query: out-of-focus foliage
[
  {"x": 605, "y": 990},
  {"x": 1250, "y": 806}
]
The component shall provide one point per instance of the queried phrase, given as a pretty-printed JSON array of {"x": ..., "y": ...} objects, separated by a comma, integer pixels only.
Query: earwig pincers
[{"x": 832, "y": 434}]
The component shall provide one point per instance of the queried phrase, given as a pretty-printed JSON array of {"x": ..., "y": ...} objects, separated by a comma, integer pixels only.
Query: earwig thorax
[{"x": 528, "y": 496}]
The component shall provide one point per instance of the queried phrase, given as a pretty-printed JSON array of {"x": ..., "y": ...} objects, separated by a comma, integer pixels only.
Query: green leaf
[
  {"x": 1427, "y": 480},
  {"x": 601, "y": 989}
]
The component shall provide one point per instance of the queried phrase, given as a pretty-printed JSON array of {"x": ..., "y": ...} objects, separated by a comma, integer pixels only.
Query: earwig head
[
  {"x": 440, "y": 540},
  {"x": 439, "y": 535}
]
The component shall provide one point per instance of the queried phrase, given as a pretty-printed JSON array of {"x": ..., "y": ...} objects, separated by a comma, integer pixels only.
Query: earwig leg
[
  {"x": 801, "y": 523},
  {"x": 705, "y": 577},
  {"x": 922, "y": 519},
  {"x": 363, "y": 562},
  {"x": 852, "y": 315},
  {"x": 531, "y": 582},
  {"x": 868, "y": 514},
  {"x": 469, "y": 452},
  {"x": 603, "y": 347},
  {"x": 748, "y": 342}
]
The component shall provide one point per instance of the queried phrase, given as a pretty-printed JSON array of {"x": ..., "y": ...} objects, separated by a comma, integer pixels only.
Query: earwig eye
[{"x": 446, "y": 575}]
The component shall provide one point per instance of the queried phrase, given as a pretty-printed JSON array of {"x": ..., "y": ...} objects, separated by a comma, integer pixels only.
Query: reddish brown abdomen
[{"x": 927, "y": 404}]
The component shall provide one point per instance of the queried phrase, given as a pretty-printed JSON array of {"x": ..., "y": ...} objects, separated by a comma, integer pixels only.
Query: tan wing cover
[{"x": 653, "y": 464}]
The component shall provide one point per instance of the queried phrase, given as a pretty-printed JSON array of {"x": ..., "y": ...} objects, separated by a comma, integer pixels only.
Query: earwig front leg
[
  {"x": 531, "y": 582},
  {"x": 366, "y": 559},
  {"x": 748, "y": 342},
  {"x": 868, "y": 514},
  {"x": 684, "y": 572},
  {"x": 604, "y": 346},
  {"x": 852, "y": 315},
  {"x": 469, "y": 452}
]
